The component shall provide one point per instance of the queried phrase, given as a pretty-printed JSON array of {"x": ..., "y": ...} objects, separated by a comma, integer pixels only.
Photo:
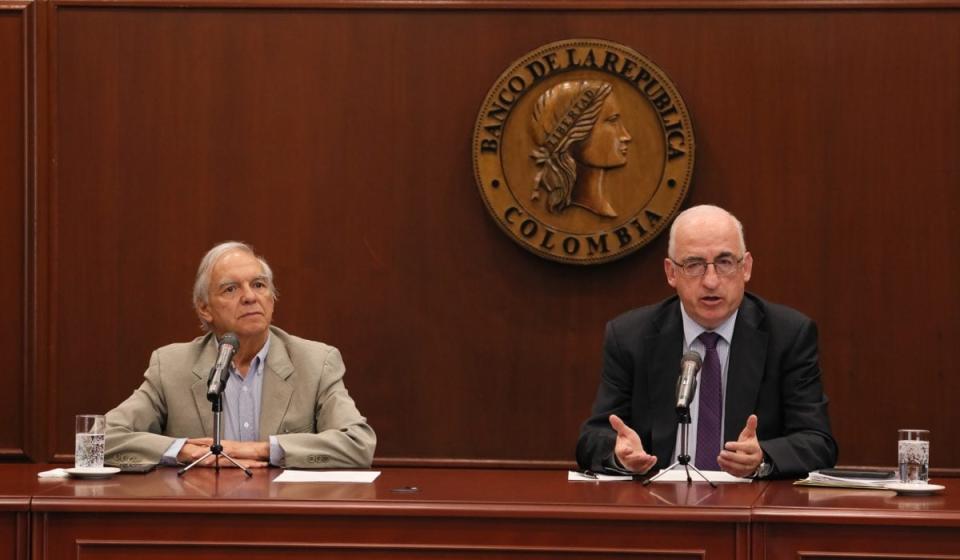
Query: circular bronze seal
[{"x": 583, "y": 151}]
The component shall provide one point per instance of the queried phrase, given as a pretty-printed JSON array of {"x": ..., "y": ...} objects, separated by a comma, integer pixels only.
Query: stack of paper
[{"x": 816, "y": 478}]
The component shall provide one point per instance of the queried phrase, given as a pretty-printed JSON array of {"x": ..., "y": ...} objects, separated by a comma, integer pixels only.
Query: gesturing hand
[
  {"x": 742, "y": 457},
  {"x": 629, "y": 449}
]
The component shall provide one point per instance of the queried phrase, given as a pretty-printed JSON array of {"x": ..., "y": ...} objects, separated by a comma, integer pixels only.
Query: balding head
[
  {"x": 708, "y": 264},
  {"x": 705, "y": 215}
]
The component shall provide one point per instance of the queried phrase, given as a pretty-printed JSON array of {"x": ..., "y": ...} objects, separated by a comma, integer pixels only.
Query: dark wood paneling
[
  {"x": 150, "y": 550},
  {"x": 338, "y": 142},
  {"x": 551, "y": 5},
  {"x": 16, "y": 88},
  {"x": 14, "y": 534},
  {"x": 837, "y": 541},
  {"x": 453, "y": 513},
  {"x": 17, "y": 484},
  {"x": 795, "y": 522},
  {"x": 474, "y": 513}
]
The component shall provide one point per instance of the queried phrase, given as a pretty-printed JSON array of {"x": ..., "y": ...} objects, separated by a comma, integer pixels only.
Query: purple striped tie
[{"x": 711, "y": 405}]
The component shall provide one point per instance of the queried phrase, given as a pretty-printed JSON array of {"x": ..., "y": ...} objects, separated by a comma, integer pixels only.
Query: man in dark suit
[{"x": 760, "y": 389}]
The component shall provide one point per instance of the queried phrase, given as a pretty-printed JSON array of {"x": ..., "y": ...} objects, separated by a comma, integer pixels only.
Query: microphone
[
  {"x": 687, "y": 382},
  {"x": 219, "y": 373}
]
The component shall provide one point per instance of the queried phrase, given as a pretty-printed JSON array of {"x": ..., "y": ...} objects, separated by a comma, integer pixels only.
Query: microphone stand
[
  {"x": 683, "y": 458},
  {"x": 216, "y": 449}
]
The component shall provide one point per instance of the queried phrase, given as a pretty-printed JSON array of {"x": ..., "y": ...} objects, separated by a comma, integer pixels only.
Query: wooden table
[
  {"x": 795, "y": 522},
  {"x": 406, "y": 513},
  {"x": 459, "y": 513},
  {"x": 18, "y": 483}
]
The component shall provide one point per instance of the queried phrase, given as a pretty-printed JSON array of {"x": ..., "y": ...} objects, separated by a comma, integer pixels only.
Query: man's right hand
[
  {"x": 628, "y": 449},
  {"x": 194, "y": 448}
]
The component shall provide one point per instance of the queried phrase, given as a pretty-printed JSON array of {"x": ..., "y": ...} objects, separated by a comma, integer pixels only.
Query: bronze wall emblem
[{"x": 583, "y": 151}]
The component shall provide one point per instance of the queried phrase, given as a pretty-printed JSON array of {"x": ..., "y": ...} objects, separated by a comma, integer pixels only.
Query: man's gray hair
[
  {"x": 692, "y": 212},
  {"x": 201, "y": 286}
]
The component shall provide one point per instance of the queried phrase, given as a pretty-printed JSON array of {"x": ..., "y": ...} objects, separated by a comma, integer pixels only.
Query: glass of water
[
  {"x": 89, "y": 441},
  {"x": 913, "y": 453}
]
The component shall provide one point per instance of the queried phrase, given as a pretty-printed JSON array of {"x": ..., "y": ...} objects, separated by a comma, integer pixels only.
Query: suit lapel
[
  {"x": 666, "y": 348},
  {"x": 277, "y": 390},
  {"x": 201, "y": 369},
  {"x": 748, "y": 354}
]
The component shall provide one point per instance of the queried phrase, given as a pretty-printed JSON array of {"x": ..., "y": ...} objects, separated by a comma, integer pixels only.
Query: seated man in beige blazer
[{"x": 285, "y": 403}]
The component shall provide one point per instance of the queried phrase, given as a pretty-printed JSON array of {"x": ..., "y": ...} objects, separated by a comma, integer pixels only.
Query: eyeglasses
[{"x": 695, "y": 268}]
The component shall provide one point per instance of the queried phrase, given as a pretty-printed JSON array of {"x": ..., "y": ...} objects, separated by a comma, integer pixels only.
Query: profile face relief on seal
[{"x": 583, "y": 151}]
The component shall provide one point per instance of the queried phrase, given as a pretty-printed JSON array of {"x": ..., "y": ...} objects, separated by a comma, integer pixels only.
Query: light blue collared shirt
[
  {"x": 691, "y": 330},
  {"x": 241, "y": 400},
  {"x": 241, "y": 410}
]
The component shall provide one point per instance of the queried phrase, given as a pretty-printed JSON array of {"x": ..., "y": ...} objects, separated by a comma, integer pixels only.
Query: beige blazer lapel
[
  {"x": 277, "y": 391},
  {"x": 201, "y": 369}
]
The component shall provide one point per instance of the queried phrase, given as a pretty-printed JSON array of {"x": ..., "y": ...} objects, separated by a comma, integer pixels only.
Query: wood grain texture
[
  {"x": 14, "y": 535},
  {"x": 545, "y": 5},
  {"x": 337, "y": 141},
  {"x": 796, "y": 522},
  {"x": 453, "y": 513},
  {"x": 413, "y": 492},
  {"x": 833, "y": 541},
  {"x": 471, "y": 513},
  {"x": 783, "y": 503},
  {"x": 18, "y": 484},
  {"x": 16, "y": 187}
]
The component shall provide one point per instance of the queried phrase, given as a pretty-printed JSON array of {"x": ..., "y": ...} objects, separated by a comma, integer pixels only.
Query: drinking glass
[
  {"x": 913, "y": 452},
  {"x": 89, "y": 441}
]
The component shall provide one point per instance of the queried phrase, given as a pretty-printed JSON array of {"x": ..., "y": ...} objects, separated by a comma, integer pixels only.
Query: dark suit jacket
[{"x": 773, "y": 372}]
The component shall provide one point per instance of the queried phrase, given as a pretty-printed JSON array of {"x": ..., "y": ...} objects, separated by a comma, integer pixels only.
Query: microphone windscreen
[
  {"x": 230, "y": 339},
  {"x": 691, "y": 357}
]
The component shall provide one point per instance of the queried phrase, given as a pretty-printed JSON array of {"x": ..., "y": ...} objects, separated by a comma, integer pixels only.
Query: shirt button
[
  {"x": 246, "y": 424},
  {"x": 244, "y": 389}
]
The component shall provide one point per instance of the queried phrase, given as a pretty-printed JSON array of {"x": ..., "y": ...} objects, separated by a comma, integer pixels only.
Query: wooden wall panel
[
  {"x": 15, "y": 184},
  {"x": 338, "y": 142}
]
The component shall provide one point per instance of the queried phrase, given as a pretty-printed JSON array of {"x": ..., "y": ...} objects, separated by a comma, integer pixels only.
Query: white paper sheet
[
  {"x": 718, "y": 477},
  {"x": 575, "y": 476},
  {"x": 365, "y": 477}
]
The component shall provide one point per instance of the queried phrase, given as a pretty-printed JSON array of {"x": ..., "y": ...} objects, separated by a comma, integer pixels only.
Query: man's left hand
[
  {"x": 252, "y": 450},
  {"x": 247, "y": 453},
  {"x": 742, "y": 457}
]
